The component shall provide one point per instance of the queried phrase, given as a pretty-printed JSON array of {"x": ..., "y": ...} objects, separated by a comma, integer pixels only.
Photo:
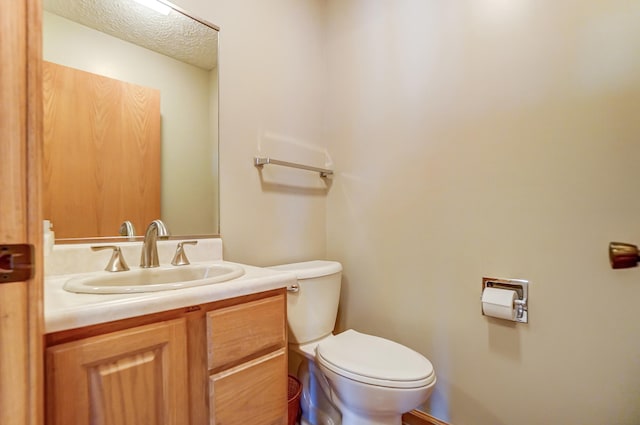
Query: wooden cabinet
[
  {"x": 133, "y": 376},
  {"x": 248, "y": 363},
  {"x": 221, "y": 363},
  {"x": 252, "y": 393},
  {"x": 241, "y": 331}
]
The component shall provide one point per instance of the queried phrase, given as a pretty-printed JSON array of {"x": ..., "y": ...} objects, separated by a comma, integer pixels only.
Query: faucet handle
[
  {"x": 180, "y": 257},
  {"x": 116, "y": 262}
]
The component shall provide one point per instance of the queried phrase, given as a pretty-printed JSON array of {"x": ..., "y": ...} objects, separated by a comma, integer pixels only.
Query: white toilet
[{"x": 350, "y": 378}]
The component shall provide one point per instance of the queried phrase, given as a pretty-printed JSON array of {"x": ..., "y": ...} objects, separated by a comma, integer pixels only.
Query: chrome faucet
[{"x": 149, "y": 256}]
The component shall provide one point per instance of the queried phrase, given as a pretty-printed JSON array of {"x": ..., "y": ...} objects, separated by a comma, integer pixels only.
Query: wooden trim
[
  {"x": 14, "y": 344},
  {"x": 418, "y": 417},
  {"x": 35, "y": 289},
  {"x": 21, "y": 377}
]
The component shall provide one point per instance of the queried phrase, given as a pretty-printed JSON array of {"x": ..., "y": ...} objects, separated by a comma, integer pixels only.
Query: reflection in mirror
[{"x": 111, "y": 155}]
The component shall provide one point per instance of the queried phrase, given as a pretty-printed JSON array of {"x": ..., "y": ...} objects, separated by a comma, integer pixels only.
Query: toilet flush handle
[{"x": 293, "y": 288}]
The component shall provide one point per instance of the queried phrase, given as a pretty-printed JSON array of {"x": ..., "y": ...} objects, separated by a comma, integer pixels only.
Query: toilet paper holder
[{"x": 521, "y": 287}]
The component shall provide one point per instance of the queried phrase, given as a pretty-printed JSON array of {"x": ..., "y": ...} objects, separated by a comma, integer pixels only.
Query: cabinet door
[
  {"x": 130, "y": 377},
  {"x": 253, "y": 393}
]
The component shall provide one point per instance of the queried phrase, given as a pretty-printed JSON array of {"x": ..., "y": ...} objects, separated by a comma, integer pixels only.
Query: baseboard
[{"x": 417, "y": 417}]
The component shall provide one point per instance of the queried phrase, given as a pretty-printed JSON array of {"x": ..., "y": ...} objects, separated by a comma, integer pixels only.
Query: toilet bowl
[{"x": 352, "y": 377}]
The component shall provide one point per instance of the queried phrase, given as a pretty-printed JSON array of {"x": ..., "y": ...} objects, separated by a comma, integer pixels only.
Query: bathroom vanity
[{"x": 212, "y": 354}]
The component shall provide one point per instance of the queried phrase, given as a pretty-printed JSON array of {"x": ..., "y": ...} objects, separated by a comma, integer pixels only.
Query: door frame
[{"x": 21, "y": 303}]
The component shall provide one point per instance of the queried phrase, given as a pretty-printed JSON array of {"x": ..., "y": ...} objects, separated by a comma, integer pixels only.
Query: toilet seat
[{"x": 375, "y": 361}]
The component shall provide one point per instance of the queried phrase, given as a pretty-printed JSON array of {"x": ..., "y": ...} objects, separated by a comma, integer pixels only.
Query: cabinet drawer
[
  {"x": 239, "y": 332},
  {"x": 254, "y": 393}
]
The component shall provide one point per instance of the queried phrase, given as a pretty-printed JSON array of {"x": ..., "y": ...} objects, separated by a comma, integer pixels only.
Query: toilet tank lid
[{"x": 310, "y": 269}]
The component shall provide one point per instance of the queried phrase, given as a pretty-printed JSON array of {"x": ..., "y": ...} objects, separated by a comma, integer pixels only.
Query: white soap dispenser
[{"x": 48, "y": 237}]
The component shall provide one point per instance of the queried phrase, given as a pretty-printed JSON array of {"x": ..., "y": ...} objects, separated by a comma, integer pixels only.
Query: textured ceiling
[{"x": 174, "y": 35}]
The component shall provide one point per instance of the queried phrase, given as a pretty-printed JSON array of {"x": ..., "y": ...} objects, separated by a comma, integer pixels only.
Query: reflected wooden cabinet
[
  {"x": 222, "y": 363},
  {"x": 102, "y": 138}
]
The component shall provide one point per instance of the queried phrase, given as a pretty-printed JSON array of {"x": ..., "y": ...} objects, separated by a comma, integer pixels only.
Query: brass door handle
[
  {"x": 623, "y": 255},
  {"x": 16, "y": 263}
]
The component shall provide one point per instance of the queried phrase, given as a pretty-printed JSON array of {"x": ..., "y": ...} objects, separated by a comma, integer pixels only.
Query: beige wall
[
  {"x": 272, "y": 74},
  {"x": 492, "y": 138},
  {"x": 471, "y": 139},
  {"x": 189, "y": 186}
]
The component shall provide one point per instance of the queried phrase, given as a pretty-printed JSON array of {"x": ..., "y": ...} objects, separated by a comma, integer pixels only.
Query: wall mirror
[{"x": 129, "y": 47}]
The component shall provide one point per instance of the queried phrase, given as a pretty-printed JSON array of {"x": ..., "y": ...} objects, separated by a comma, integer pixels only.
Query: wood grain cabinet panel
[
  {"x": 254, "y": 393},
  {"x": 134, "y": 376},
  {"x": 222, "y": 363},
  {"x": 238, "y": 332}
]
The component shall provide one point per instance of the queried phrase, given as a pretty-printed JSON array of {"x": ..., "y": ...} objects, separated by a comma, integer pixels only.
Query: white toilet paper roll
[{"x": 499, "y": 303}]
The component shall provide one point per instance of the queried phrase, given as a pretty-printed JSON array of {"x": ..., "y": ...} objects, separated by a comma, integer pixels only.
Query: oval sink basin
[{"x": 154, "y": 279}]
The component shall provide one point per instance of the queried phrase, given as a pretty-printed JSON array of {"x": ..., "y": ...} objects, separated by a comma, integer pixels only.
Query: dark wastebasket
[{"x": 293, "y": 397}]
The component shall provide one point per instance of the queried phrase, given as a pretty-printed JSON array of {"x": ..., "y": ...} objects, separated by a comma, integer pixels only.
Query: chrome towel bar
[{"x": 259, "y": 162}]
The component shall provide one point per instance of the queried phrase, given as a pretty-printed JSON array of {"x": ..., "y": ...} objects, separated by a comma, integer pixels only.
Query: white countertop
[{"x": 66, "y": 310}]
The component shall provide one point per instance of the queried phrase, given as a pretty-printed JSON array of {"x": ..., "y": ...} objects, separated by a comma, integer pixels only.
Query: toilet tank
[{"x": 312, "y": 310}]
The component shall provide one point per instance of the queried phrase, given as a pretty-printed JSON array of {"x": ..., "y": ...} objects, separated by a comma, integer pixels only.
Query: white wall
[
  {"x": 189, "y": 186},
  {"x": 272, "y": 88},
  {"x": 492, "y": 138}
]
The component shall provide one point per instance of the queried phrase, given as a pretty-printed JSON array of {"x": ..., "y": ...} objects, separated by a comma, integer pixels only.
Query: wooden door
[
  {"x": 134, "y": 376},
  {"x": 20, "y": 216},
  {"x": 101, "y": 153}
]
